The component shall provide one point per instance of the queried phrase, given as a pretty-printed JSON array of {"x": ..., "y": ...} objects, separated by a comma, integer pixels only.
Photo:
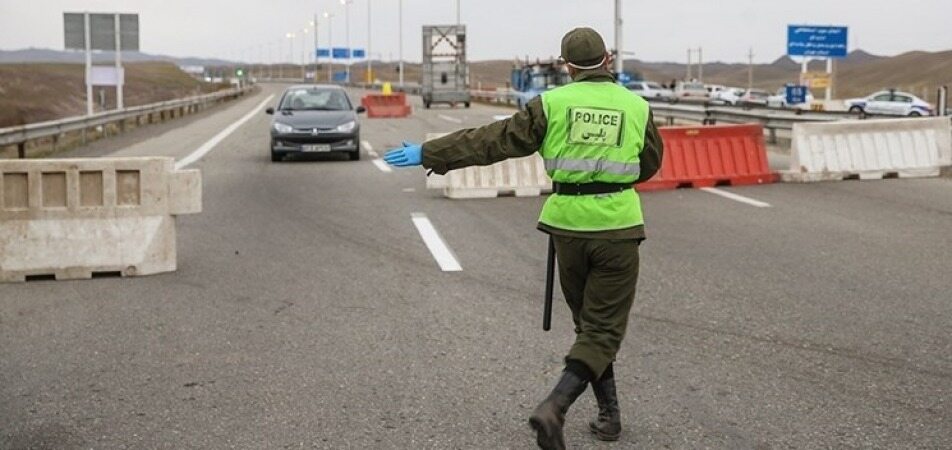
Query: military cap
[{"x": 583, "y": 48}]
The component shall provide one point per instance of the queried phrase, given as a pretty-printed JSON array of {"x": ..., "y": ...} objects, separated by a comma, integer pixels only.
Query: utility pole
[
  {"x": 750, "y": 69},
  {"x": 370, "y": 72},
  {"x": 619, "y": 58},
  {"x": 700, "y": 65},
  {"x": 119, "y": 77},
  {"x": 330, "y": 47},
  {"x": 687, "y": 77},
  {"x": 291, "y": 50},
  {"x": 346, "y": 4},
  {"x": 400, "y": 40},
  {"x": 316, "y": 62}
]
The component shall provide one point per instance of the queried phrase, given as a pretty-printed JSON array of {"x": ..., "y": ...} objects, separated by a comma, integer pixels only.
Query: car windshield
[{"x": 316, "y": 99}]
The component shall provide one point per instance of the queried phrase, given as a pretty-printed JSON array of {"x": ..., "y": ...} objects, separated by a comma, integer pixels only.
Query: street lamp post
[
  {"x": 400, "y": 39},
  {"x": 290, "y": 37},
  {"x": 316, "y": 62},
  {"x": 370, "y": 72},
  {"x": 346, "y": 4},
  {"x": 330, "y": 46},
  {"x": 619, "y": 58},
  {"x": 304, "y": 58}
]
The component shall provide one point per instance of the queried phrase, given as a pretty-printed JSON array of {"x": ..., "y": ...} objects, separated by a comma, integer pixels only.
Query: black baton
[{"x": 549, "y": 278}]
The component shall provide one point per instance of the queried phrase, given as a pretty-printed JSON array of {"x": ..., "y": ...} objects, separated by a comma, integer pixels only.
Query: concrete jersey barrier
[
  {"x": 522, "y": 177},
  {"x": 870, "y": 149},
  {"x": 78, "y": 218}
]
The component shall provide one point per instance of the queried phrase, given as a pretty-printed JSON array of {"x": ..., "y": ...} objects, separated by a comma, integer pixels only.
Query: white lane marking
[
  {"x": 409, "y": 189},
  {"x": 200, "y": 152},
  {"x": 369, "y": 149},
  {"x": 502, "y": 116},
  {"x": 735, "y": 197},
  {"x": 438, "y": 248},
  {"x": 382, "y": 166},
  {"x": 450, "y": 119}
]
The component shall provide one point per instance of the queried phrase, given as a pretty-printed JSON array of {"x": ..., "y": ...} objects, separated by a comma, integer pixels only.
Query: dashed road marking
[
  {"x": 382, "y": 165},
  {"x": 437, "y": 246},
  {"x": 200, "y": 152},
  {"x": 502, "y": 116},
  {"x": 409, "y": 190},
  {"x": 369, "y": 149},
  {"x": 736, "y": 197},
  {"x": 450, "y": 118}
]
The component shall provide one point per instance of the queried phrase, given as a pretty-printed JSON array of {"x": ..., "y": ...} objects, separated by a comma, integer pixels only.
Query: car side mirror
[
  {"x": 361, "y": 110},
  {"x": 269, "y": 111}
]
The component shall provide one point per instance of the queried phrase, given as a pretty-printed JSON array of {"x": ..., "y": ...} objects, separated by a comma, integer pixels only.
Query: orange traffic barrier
[
  {"x": 708, "y": 156},
  {"x": 394, "y": 105}
]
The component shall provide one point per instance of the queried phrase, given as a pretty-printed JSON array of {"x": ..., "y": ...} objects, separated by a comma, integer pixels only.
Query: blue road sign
[
  {"x": 359, "y": 53},
  {"x": 796, "y": 94},
  {"x": 341, "y": 52},
  {"x": 821, "y": 42},
  {"x": 624, "y": 77},
  {"x": 340, "y": 76},
  {"x": 323, "y": 53}
]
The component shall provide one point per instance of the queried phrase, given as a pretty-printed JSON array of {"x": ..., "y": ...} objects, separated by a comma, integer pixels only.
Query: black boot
[
  {"x": 607, "y": 427},
  {"x": 549, "y": 416}
]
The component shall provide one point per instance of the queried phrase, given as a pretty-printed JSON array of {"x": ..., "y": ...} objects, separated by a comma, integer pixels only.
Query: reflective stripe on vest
[
  {"x": 596, "y": 132},
  {"x": 590, "y": 165}
]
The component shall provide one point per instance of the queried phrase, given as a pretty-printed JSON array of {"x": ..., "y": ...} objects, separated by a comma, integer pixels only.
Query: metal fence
[{"x": 55, "y": 129}]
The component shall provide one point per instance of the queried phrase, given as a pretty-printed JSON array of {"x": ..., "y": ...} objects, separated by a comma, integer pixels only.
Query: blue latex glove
[{"x": 409, "y": 155}]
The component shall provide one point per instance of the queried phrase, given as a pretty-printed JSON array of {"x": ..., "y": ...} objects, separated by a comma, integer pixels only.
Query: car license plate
[{"x": 316, "y": 148}]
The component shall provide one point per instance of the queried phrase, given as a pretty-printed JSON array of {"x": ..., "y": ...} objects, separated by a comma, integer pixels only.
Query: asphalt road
[{"x": 308, "y": 313}]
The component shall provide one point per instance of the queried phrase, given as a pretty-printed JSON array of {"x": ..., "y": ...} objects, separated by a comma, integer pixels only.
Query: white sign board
[{"x": 107, "y": 76}]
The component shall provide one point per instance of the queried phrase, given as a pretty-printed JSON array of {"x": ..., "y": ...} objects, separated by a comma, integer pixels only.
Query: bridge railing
[{"x": 99, "y": 124}]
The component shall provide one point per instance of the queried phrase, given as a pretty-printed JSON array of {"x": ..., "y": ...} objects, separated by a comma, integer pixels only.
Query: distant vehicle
[
  {"x": 890, "y": 102},
  {"x": 779, "y": 100},
  {"x": 690, "y": 90},
  {"x": 729, "y": 96},
  {"x": 713, "y": 89},
  {"x": 315, "y": 119},
  {"x": 531, "y": 80},
  {"x": 754, "y": 97},
  {"x": 650, "y": 90}
]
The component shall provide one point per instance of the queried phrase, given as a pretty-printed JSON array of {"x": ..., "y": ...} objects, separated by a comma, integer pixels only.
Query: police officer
[{"x": 597, "y": 139}]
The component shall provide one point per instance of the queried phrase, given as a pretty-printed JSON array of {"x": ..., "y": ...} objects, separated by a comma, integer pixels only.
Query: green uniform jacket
[{"x": 522, "y": 135}]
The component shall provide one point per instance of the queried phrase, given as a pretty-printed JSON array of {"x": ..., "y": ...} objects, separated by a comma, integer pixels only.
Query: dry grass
[{"x": 39, "y": 92}]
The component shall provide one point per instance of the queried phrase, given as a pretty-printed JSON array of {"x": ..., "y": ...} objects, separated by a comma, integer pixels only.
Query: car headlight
[
  {"x": 347, "y": 127},
  {"x": 282, "y": 128}
]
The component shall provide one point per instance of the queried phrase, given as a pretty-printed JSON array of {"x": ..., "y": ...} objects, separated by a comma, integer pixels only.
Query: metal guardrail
[{"x": 20, "y": 135}]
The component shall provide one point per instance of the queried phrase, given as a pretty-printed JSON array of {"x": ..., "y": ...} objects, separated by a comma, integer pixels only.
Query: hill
[{"x": 38, "y": 92}]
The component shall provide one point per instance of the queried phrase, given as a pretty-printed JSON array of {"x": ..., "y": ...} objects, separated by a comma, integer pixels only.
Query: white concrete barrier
[
  {"x": 870, "y": 149},
  {"x": 522, "y": 177},
  {"x": 78, "y": 218}
]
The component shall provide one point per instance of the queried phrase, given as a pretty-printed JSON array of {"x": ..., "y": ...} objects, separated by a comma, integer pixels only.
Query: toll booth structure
[{"x": 445, "y": 76}]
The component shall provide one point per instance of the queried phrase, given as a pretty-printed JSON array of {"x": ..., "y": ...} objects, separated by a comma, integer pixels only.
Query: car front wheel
[
  {"x": 915, "y": 114},
  {"x": 856, "y": 109}
]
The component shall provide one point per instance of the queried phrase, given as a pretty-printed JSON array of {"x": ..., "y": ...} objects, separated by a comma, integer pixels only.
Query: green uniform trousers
[{"x": 598, "y": 279}]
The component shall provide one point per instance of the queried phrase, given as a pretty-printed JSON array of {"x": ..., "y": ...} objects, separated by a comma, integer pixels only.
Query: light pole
[
  {"x": 330, "y": 47},
  {"x": 304, "y": 58},
  {"x": 346, "y": 4},
  {"x": 619, "y": 59},
  {"x": 370, "y": 72},
  {"x": 400, "y": 39},
  {"x": 316, "y": 62},
  {"x": 290, "y": 37},
  {"x": 457, "y": 13}
]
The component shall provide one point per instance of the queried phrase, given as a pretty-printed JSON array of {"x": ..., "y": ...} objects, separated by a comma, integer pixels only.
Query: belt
[{"x": 589, "y": 188}]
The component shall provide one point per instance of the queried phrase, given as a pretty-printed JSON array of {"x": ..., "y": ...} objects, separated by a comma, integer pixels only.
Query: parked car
[
  {"x": 779, "y": 100},
  {"x": 754, "y": 97},
  {"x": 315, "y": 119},
  {"x": 890, "y": 102},
  {"x": 691, "y": 90},
  {"x": 729, "y": 96},
  {"x": 650, "y": 90}
]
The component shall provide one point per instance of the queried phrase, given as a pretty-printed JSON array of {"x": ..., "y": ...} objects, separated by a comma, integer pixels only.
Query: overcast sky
[{"x": 654, "y": 30}]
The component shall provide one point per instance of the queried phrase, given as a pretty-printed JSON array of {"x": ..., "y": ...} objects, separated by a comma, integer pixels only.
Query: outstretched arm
[{"x": 520, "y": 135}]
